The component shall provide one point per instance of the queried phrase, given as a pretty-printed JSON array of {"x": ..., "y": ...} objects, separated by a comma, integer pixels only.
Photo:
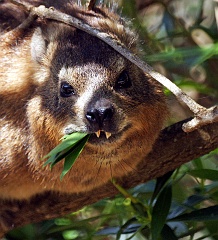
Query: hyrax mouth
[{"x": 98, "y": 133}]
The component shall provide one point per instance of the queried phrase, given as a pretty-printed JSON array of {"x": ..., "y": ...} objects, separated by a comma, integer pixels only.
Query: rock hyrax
[{"x": 56, "y": 80}]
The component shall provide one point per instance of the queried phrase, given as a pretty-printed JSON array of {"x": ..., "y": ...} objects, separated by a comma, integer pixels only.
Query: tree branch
[{"x": 173, "y": 148}]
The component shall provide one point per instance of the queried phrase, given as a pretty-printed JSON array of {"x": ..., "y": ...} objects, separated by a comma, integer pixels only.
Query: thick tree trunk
[{"x": 173, "y": 148}]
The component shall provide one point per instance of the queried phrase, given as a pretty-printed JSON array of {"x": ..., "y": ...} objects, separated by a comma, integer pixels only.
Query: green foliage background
[{"x": 180, "y": 39}]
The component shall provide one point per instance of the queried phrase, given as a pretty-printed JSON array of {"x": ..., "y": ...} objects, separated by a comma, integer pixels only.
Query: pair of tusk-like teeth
[{"x": 107, "y": 134}]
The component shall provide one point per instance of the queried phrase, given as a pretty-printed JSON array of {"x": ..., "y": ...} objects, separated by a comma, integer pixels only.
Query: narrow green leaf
[
  {"x": 205, "y": 174},
  {"x": 188, "y": 204},
  {"x": 63, "y": 149},
  {"x": 67, "y": 141},
  {"x": 141, "y": 210},
  {"x": 55, "y": 158},
  {"x": 160, "y": 211},
  {"x": 211, "y": 227},
  {"x": 124, "y": 228},
  {"x": 71, "y": 158},
  {"x": 167, "y": 233},
  {"x": 198, "y": 163},
  {"x": 204, "y": 214},
  {"x": 160, "y": 184}
]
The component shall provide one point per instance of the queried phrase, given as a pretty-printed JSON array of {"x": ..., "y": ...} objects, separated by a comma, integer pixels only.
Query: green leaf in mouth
[{"x": 69, "y": 150}]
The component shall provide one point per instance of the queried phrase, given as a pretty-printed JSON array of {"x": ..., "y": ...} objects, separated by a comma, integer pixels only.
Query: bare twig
[
  {"x": 22, "y": 5},
  {"x": 10, "y": 36},
  {"x": 202, "y": 115}
]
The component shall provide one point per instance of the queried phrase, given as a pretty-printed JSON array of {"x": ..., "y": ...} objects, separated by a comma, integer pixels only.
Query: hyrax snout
[
  {"x": 100, "y": 116},
  {"x": 56, "y": 80}
]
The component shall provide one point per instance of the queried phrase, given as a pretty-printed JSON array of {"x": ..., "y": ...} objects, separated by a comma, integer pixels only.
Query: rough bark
[{"x": 172, "y": 149}]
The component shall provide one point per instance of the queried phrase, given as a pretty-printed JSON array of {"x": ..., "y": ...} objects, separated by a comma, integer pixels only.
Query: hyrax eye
[
  {"x": 66, "y": 90},
  {"x": 123, "y": 81}
]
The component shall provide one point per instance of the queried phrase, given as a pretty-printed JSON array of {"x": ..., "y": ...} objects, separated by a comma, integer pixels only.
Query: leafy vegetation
[{"x": 180, "y": 40}]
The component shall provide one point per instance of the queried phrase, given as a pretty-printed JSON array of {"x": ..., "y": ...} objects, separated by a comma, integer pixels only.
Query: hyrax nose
[{"x": 101, "y": 113}]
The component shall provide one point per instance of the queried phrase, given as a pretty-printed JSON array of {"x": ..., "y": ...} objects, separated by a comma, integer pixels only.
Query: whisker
[
  {"x": 111, "y": 172},
  {"x": 134, "y": 169},
  {"x": 121, "y": 164},
  {"x": 97, "y": 171}
]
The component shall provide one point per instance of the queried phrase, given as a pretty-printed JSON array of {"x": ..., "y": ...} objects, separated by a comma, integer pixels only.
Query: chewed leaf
[
  {"x": 59, "y": 156},
  {"x": 69, "y": 149},
  {"x": 73, "y": 155},
  {"x": 67, "y": 141}
]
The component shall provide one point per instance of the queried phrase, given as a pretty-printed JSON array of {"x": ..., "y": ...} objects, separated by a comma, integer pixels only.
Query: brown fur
[{"x": 34, "y": 116}]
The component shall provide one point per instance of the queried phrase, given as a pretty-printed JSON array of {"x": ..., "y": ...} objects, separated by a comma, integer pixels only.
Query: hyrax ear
[{"x": 38, "y": 45}]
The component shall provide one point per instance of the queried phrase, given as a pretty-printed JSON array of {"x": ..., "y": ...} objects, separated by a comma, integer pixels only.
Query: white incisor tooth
[
  {"x": 98, "y": 133},
  {"x": 108, "y": 134}
]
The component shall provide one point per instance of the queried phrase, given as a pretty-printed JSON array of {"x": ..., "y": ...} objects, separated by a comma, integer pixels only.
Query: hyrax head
[{"x": 88, "y": 87}]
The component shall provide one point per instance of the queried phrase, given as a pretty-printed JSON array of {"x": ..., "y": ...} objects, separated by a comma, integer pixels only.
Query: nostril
[
  {"x": 107, "y": 114},
  {"x": 92, "y": 116}
]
